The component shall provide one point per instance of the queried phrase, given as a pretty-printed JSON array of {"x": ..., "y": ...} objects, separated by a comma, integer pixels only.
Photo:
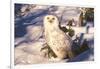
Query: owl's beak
[{"x": 50, "y": 21}]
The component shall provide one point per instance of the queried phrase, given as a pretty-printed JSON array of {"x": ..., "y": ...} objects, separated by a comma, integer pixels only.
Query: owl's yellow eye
[
  {"x": 53, "y": 18},
  {"x": 47, "y": 17}
]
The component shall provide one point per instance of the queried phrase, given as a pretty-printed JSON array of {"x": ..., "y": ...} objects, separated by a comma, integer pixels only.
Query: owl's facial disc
[{"x": 50, "y": 20}]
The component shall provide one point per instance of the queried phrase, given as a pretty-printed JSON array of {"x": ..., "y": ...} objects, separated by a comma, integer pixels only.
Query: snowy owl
[{"x": 57, "y": 40}]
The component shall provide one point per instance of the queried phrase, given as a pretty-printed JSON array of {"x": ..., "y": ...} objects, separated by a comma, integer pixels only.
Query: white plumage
[{"x": 57, "y": 40}]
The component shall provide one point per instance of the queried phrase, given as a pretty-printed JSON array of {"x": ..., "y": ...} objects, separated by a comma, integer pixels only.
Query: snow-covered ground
[{"x": 29, "y": 33}]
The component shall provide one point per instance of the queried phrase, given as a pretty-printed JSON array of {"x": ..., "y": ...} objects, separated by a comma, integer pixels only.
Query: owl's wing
[
  {"x": 65, "y": 44},
  {"x": 66, "y": 38},
  {"x": 69, "y": 43},
  {"x": 69, "y": 40}
]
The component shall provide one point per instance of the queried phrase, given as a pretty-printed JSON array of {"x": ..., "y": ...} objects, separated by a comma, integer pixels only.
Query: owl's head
[{"x": 51, "y": 20}]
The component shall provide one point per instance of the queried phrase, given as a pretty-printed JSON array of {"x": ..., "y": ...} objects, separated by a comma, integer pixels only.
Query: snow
[
  {"x": 82, "y": 30},
  {"x": 29, "y": 34},
  {"x": 85, "y": 56},
  {"x": 34, "y": 32},
  {"x": 29, "y": 53}
]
